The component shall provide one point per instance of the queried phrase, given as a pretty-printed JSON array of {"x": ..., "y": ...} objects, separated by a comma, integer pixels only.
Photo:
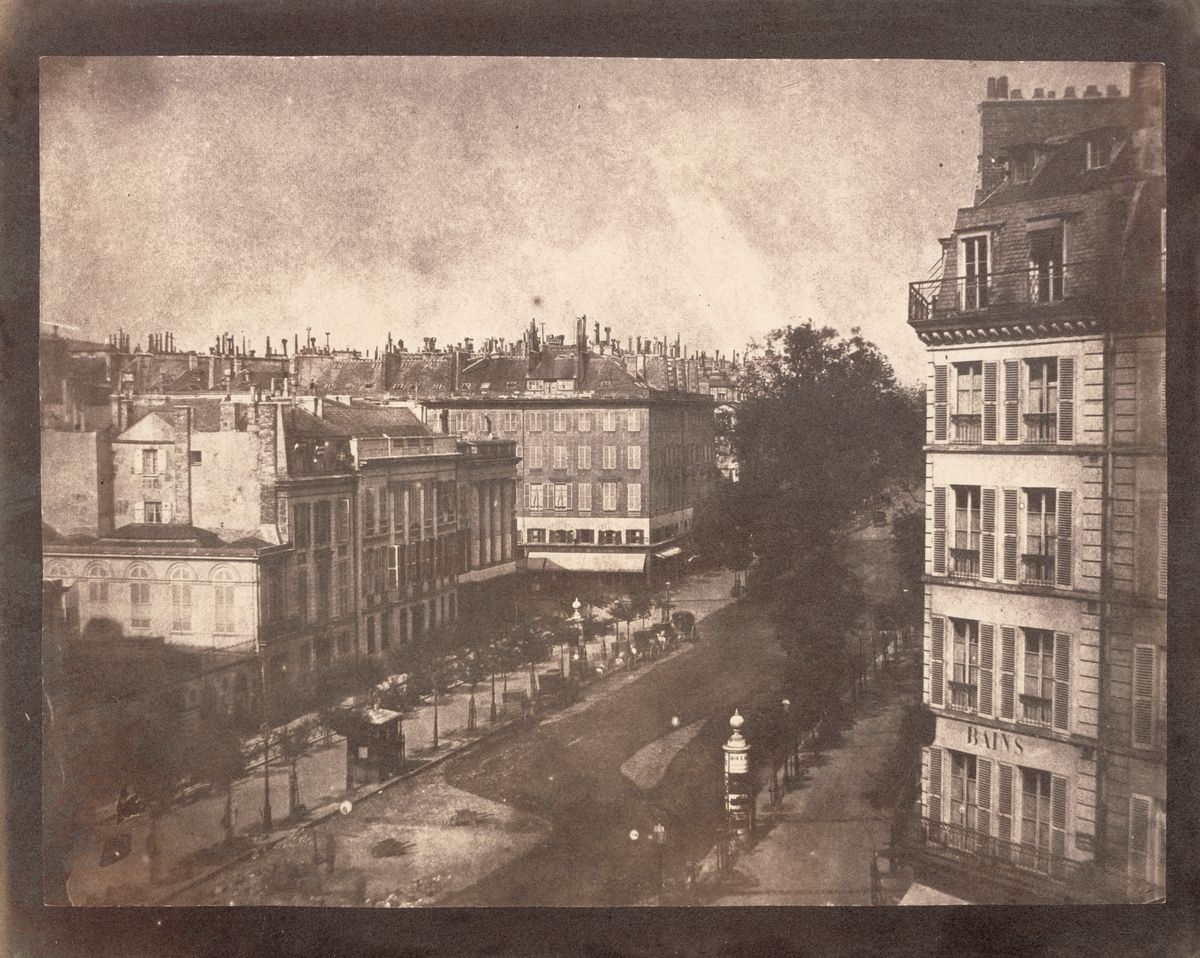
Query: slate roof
[{"x": 1063, "y": 172}]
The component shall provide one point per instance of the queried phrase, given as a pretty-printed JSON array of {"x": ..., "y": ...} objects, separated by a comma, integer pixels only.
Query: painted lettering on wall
[{"x": 996, "y": 741}]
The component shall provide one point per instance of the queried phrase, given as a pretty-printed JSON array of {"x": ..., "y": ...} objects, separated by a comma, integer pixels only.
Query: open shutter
[
  {"x": 1139, "y": 830},
  {"x": 1009, "y": 571},
  {"x": 989, "y": 402},
  {"x": 987, "y": 558},
  {"x": 1162, "y": 546},
  {"x": 1058, "y": 815},
  {"x": 1004, "y": 802},
  {"x": 939, "y": 530},
  {"x": 526, "y": 485},
  {"x": 1066, "y": 399},
  {"x": 935, "y": 783},
  {"x": 1064, "y": 559},
  {"x": 941, "y": 390},
  {"x": 987, "y": 647},
  {"x": 1012, "y": 397},
  {"x": 1062, "y": 681},
  {"x": 983, "y": 795},
  {"x": 937, "y": 652},
  {"x": 1143, "y": 696},
  {"x": 1008, "y": 652},
  {"x": 570, "y": 495}
]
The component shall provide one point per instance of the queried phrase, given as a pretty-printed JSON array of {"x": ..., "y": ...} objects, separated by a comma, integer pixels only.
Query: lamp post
[
  {"x": 577, "y": 620},
  {"x": 667, "y": 605}
]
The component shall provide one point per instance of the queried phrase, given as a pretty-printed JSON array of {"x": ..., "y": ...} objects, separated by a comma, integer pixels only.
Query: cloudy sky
[{"x": 457, "y": 197}]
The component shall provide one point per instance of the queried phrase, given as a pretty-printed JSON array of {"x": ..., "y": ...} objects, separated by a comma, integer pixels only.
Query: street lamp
[
  {"x": 577, "y": 620},
  {"x": 667, "y": 606}
]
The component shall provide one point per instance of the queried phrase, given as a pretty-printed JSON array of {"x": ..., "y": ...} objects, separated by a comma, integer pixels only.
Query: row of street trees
[{"x": 823, "y": 427}]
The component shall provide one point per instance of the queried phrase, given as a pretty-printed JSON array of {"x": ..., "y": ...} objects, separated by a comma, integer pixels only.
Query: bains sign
[{"x": 996, "y": 741}]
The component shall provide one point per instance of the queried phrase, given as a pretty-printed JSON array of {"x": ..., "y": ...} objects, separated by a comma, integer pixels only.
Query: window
[
  {"x": 610, "y": 537},
  {"x": 587, "y": 536},
  {"x": 223, "y": 594},
  {"x": 393, "y": 568},
  {"x": 149, "y": 462},
  {"x": 98, "y": 586},
  {"x": 1147, "y": 840},
  {"x": 633, "y": 494},
  {"x": 1037, "y": 699},
  {"x": 610, "y": 457},
  {"x": 968, "y": 408},
  {"x": 976, "y": 278},
  {"x": 343, "y": 586},
  {"x": 608, "y": 491},
  {"x": 1046, "y": 265},
  {"x": 536, "y": 454},
  {"x": 1020, "y": 166},
  {"x": 535, "y": 535},
  {"x": 561, "y": 495},
  {"x": 560, "y": 536},
  {"x": 635, "y": 537},
  {"x": 535, "y": 421},
  {"x": 1146, "y": 703},
  {"x": 382, "y": 515},
  {"x": 343, "y": 520},
  {"x": 633, "y": 457},
  {"x": 585, "y": 422},
  {"x": 560, "y": 457},
  {"x": 196, "y": 457},
  {"x": 560, "y": 421},
  {"x": 139, "y": 597},
  {"x": 1037, "y": 561},
  {"x": 1041, "y": 400},
  {"x": 585, "y": 457},
  {"x": 964, "y": 675},
  {"x": 964, "y": 793},
  {"x": 321, "y": 523},
  {"x": 300, "y": 519},
  {"x": 536, "y": 496},
  {"x": 585, "y": 497},
  {"x": 964, "y": 554},
  {"x": 1035, "y": 815},
  {"x": 1098, "y": 152},
  {"x": 181, "y": 599},
  {"x": 152, "y": 512},
  {"x": 633, "y": 420},
  {"x": 610, "y": 420}
]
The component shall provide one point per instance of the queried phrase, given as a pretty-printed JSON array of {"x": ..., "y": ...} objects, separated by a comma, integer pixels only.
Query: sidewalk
[
  {"x": 191, "y": 835},
  {"x": 816, "y": 846}
]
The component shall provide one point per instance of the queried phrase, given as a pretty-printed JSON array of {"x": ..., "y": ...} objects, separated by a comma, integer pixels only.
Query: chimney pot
[
  {"x": 991, "y": 88},
  {"x": 1039, "y": 93},
  {"x": 1069, "y": 93},
  {"x": 1113, "y": 90},
  {"x": 1050, "y": 94},
  {"x": 1002, "y": 88},
  {"x": 1092, "y": 90},
  {"x": 1016, "y": 94}
]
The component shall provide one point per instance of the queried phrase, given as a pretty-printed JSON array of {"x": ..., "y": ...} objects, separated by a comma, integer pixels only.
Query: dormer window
[
  {"x": 1099, "y": 152},
  {"x": 1020, "y": 166}
]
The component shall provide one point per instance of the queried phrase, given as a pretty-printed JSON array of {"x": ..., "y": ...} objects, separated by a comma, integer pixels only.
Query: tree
[
  {"x": 530, "y": 642},
  {"x": 623, "y": 610},
  {"x": 908, "y": 529},
  {"x": 216, "y": 756},
  {"x": 433, "y": 669},
  {"x": 293, "y": 743}
]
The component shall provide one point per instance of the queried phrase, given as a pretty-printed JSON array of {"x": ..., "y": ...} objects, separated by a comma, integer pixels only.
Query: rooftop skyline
[{"x": 455, "y": 197}]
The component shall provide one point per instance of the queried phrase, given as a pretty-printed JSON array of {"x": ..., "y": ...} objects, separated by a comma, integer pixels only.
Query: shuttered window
[
  {"x": 989, "y": 402},
  {"x": 940, "y": 397},
  {"x": 1066, "y": 399},
  {"x": 987, "y": 647},
  {"x": 1012, "y": 397},
  {"x": 585, "y": 497},
  {"x": 987, "y": 557},
  {"x": 933, "y": 784},
  {"x": 1145, "y": 696},
  {"x": 939, "y": 530},
  {"x": 585, "y": 422},
  {"x": 937, "y": 653},
  {"x": 983, "y": 774},
  {"x": 1008, "y": 643},
  {"x": 610, "y": 457},
  {"x": 560, "y": 457},
  {"x": 585, "y": 457},
  {"x": 1065, "y": 553},
  {"x": 633, "y": 457},
  {"x": 1162, "y": 546},
  {"x": 1006, "y": 781},
  {"x": 1009, "y": 570},
  {"x": 608, "y": 492},
  {"x": 633, "y": 495}
]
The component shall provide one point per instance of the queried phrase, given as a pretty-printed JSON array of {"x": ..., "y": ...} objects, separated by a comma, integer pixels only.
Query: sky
[{"x": 453, "y": 197}]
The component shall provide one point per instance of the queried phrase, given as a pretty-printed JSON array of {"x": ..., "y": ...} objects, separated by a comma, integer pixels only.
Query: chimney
[
  {"x": 1091, "y": 91},
  {"x": 1050, "y": 94},
  {"x": 1002, "y": 88},
  {"x": 1016, "y": 94},
  {"x": 596, "y": 332},
  {"x": 1069, "y": 93},
  {"x": 1039, "y": 93},
  {"x": 991, "y": 88},
  {"x": 1112, "y": 90}
]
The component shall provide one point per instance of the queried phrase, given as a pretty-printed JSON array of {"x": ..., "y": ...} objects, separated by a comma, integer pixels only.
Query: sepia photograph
[{"x": 596, "y": 482}]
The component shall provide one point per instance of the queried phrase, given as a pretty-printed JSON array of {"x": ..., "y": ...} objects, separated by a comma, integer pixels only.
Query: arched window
[
  {"x": 223, "y": 593},
  {"x": 139, "y": 597},
  {"x": 181, "y": 599},
  {"x": 56, "y": 570},
  {"x": 98, "y": 577}
]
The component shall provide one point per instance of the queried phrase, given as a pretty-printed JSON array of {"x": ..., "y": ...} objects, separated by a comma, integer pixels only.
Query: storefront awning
[
  {"x": 924, "y": 895},
  {"x": 586, "y": 562},
  {"x": 667, "y": 553}
]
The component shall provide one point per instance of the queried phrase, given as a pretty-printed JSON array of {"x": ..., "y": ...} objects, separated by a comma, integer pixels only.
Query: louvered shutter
[
  {"x": 1004, "y": 801},
  {"x": 1162, "y": 388},
  {"x": 941, "y": 389},
  {"x": 989, "y": 402},
  {"x": 1012, "y": 397},
  {"x": 1064, "y": 559},
  {"x": 1066, "y": 399},
  {"x": 987, "y": 559},
  {"x": 1062, "y": 681},
  {"x": 1143, "y": 696},
  {"x": 1058, "y": 815},
  {"x": 1009, "y": 570},
  {"x": 1008, "y": 652},
  {"x": 983, "y": 795},
  {"x": 937, "y": 652},
  {"x": 987, "y": 646},
  {"x": 570, "y": 495},
  {"x": 1162, "y": 546},
  {"x": 1139, "y": 833},
  {"x": 935, "y": 783},
  {"x": 939, "y": 530},
  {"x": 526, "y": 496}
]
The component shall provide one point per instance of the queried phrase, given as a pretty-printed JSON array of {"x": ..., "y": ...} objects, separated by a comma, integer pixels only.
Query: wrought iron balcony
[
  {"x": 1037, "y": 568},
  {"x": 967, "y": 427},
  {"x": 964, "y": 563},
  {"x": 1041, "y": 427},
  {"x": 1036, "y": 710},
  {"x": 1037, "y": 285},
  {"x": 963, "y": 695}
]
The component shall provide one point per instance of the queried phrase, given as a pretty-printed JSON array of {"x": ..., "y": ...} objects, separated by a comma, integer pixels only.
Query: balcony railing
[
  {"x": 1041, "y": 427},
  {"x": 1034, "y": 285},
  {"x": 964, "y": 563},
  {"x": 1046, "y": 875},
  {"x": 967, "y": 427},
  {"x": 1036, "y": 710},
  {"x": 1037, "y": 568},
  {"x": 963, "y": 695}
]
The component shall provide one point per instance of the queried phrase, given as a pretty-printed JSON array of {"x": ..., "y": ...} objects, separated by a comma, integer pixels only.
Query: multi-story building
[
  {"x": 1045, "y": 589},
  {"x": 611, "y": 467}
]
